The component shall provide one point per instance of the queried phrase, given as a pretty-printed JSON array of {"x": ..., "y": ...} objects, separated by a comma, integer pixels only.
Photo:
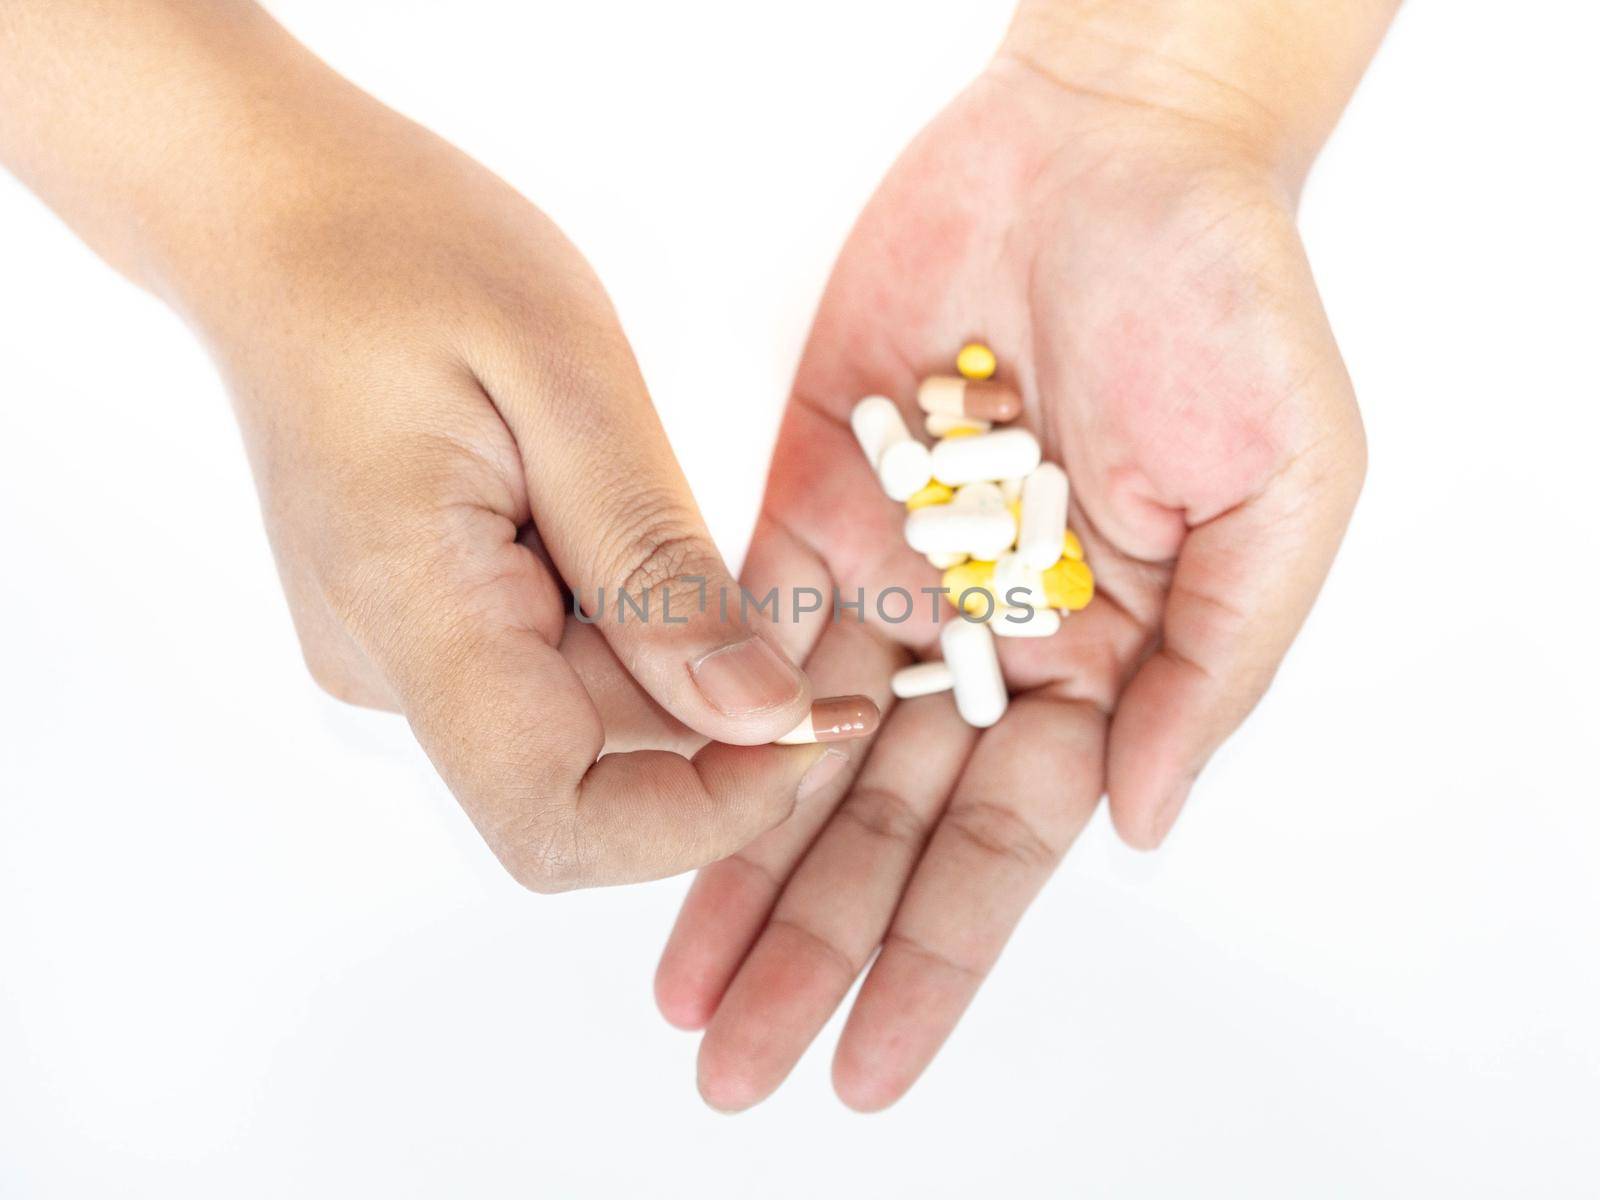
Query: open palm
[{"x": 1145, "y": 290}]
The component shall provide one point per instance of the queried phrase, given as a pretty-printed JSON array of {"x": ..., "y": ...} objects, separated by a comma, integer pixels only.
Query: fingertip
[
  {"x": 680, "y": 1002},
  {"x": 724, "y": 1084},
  {"x": 762, "y": 784},
  {"x": 720, "y": 918},
  {"x": 1144, "y": 809},
  {"x": 1167, "y": 812},
  {"x": 752, "y": 692},
  {"x": 860, "y": 1088},
  {"x": 1136, "y": 835},
  {"x": 821, "y": 773},
  {"x": 1161, "y": 736}
]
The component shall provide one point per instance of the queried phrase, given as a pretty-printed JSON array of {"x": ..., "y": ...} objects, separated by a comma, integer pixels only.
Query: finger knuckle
[
  {"x": 999, "y": 831},
  {"x": 336, "y": 676},
  {"x": 329, "y": 677},
  {"x": 544, "y": 860},
  {"x": 657, "y": 548},
  {"x": 885, "y": 814}
]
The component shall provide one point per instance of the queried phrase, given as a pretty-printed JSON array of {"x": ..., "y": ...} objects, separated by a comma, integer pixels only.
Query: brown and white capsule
[
  {"x": 953, "y": 396},
  {"x": 834, "y": 719}
]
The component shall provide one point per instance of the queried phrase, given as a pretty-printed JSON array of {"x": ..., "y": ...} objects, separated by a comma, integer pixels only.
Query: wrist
[
  {"x": 1261, "y": 80},
  {"x": 277, "y": 150},
  {"x": 189, "y": 184}
]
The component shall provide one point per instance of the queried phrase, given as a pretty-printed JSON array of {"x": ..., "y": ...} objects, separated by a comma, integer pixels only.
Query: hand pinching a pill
[
  {"x": 1081, "y": 400},
  {"x": 1070, "y": 450}
]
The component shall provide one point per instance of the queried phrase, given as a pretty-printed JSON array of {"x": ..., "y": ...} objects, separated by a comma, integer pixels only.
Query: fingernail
[
  {"x": 819, "y": 773},
  {"x": 834, "y": 719},
  {"x": 746, "y": 677}
]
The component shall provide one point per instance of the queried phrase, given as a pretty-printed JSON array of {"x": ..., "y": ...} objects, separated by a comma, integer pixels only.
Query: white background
[{"x": 249, "y": 947}]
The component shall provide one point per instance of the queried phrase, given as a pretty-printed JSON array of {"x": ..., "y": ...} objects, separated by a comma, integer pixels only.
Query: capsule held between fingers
[
  {"x": 834, "y": 719},
  {"x": 954, "y": 396}
]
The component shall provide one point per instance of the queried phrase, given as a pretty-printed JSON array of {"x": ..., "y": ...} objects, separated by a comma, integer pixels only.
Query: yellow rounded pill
[
  {"x": 1071, "y": 547},
  {"x": 964, "y": 431},
  {"x": 1069, "y": 584},
  {"x": 974, "y": 575},
  {"x": 934, "y": 493},
  {"x": 976, "y": 361}
]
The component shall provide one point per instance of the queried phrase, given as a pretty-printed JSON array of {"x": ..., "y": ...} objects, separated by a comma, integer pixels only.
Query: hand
[
  {"x": 447, "y": 424},
  {"x": 1138, "y": 273}
]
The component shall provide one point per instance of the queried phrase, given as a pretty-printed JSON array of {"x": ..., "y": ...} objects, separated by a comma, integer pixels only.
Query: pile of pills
[{"x": 988, "y": 513}]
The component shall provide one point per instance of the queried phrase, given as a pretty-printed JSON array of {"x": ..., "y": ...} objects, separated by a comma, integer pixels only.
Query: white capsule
[
  {"x": 980, "y": 689},
  {"x": 984, "y": 496},
  {"x": 1011, "y": 489},
  {"x": 989, "y": 498},
  {"x": 1044, "y": 516},
  {"x": 924, "y": 679},
  {"x": 1003, "y": 454},
  {"x": 981, "y": 494},
  {"x": 942, "y": 424},
  {"x": 877, "y": 424},
  {"x": 946, "y": 529},
  {"x": 905, "y": 469},
  {"x": 1016, "y": 584},
  {"x": 1025, "y": 623},
  {"x": 903, "y": 464}
]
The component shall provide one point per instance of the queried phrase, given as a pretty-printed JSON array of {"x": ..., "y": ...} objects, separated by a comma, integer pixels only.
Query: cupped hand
[
  {"x": 1138, "y": 273},
  {"x": 449, "y": 431}
]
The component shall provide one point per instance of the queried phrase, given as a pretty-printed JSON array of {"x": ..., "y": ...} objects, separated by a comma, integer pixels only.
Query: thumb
[
  {"x": 462, "y": 622},
  {"x": 623, "y": 531},
  {"x": 513, "y": 732},
  {"x": 1243, "y": 585}
]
